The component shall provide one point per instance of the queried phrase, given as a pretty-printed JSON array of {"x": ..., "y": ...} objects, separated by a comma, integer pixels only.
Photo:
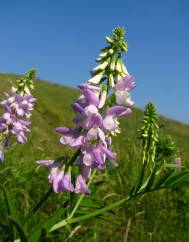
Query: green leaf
[
  {"x": 151, "y": 178},
  {"x": 178, "y": 179},
  {"x": 162, "y": 179},
  {"x": 108, "y": 220},
  {"x": 92, "y": 214},
  {"x": 43, "y": 235},
  {"x": 19, "y": 229},
  {"x": 47, "y": 225},
  {"x": 11, "y": 211},
  {"x": 140, "y": 179},
  {"x": 90, "y": 203}
]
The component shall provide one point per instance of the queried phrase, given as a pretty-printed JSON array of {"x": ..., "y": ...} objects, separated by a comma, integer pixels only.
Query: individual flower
[
  {"x": 110, "y": 122},
  {"x": 81, "y": 186},
  {"x": 71, "y": 137},
  {"x": 60, "y": 180},
  {"x": 122, "y": 88}
]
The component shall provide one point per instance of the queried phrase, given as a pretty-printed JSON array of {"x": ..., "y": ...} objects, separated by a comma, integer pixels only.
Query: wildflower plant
[
  {"x": 17, "y": 107},
  {"x": 96, "y": 119},
  {"x": 104, "y": 98}
]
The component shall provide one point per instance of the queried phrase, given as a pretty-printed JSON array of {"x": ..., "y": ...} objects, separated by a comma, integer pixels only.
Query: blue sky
[{"x": 61, "y": 39}]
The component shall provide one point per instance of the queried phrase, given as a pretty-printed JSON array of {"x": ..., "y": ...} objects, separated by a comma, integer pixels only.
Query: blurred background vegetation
[{"x": 161, "y": 216}]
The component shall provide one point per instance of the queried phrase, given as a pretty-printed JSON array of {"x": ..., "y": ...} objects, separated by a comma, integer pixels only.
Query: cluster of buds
[
  {"x": 149, "y": 133},
  {"x": 105, "y": 98},
  {"x": 17, "y": 108}
]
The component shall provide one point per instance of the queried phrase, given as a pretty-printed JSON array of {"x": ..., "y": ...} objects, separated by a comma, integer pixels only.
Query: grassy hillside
[{"x": 163, "y": 216}]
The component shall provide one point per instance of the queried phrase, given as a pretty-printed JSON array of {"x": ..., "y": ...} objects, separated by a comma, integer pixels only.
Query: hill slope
[{"x": 19, "y": 171}]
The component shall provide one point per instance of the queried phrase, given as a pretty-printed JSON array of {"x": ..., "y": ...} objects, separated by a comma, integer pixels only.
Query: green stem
[
  {"x": 43, "y": 199},
  {"x": 100, "y": 211},
  {"x": 81, "y": 197},
  {"x": 87, "y": 216}
]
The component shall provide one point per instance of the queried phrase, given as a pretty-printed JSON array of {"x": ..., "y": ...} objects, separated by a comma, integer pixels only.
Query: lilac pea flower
[
  {"x": 99, "y": 159},
  {"x": 93, "y": 157},
  {"x": 60, "y": 181},
  {"x": 91, "y": 93},
  {"x": 95, "y": 133},
  {"x": 55, "y": 177},
  {"x": 91, "y": 97},
  {"x": 71, "y": 137},
  {"x": 100, "y": 153},
  {"x": 123, "y": 98},
  {"x": 80, "y": 185},
  {"x": 110, "y": 121},
  {"x": 19, "y": 128},
  {"x": 121, "y": 91},
  {"x": 90, "y": 109},
  {"x": 111, "y": 155},
  {"x": 118, "y": 111},
  {"x": 77, "y": 107},
  {"x": 86, "y": 172},
  {"x": 88, "y": 158},
  {"x": 66, "y": 183},
  {"x": 125, "y": 83},
  {"x": 91, "y": 117},
  {"x": 93, "y": 88}
]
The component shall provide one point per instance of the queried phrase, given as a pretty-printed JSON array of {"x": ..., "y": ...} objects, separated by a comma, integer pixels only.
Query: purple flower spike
[
  {"x": 80, "y": 186},
  {"x": 17, "y": 109},
  {"x": 95, "y": 126}
]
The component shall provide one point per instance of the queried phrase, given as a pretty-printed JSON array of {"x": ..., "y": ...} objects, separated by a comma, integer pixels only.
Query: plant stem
[
  {"x": 102, "y": 210},
  {"x": 81, "y": 197},
  {"x": 86, "y": 216},
  {"x": 43, "y": 199}
]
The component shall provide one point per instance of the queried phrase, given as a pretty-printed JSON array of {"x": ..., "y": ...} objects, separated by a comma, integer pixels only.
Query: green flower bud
[
  {"x": 111, "y": 80},
  {"x": 109, "y": 40}
]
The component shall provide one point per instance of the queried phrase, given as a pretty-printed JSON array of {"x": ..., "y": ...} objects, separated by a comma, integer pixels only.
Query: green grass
[{"x": 162, "y": 216}]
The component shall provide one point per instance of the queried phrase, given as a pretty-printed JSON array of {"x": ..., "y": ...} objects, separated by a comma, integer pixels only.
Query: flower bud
[
  {"x": 101, "y": 66},
  {"x": 111, "y": 51},
  {"x": 119, "y": 66},
  {"x": 111, "y": 81},
  {"x": 103, "y": 54},
  {"x": 124, "y": 69},
  {"x": 109, "y": 40},
  {"x": 113, "y": 64},
  {"x": 118, "y": 77},
  {"x": 97, "y": 78}
]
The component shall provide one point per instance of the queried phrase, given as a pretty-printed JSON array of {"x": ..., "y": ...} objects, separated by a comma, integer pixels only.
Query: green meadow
[{"x": 157, "y": 217}]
